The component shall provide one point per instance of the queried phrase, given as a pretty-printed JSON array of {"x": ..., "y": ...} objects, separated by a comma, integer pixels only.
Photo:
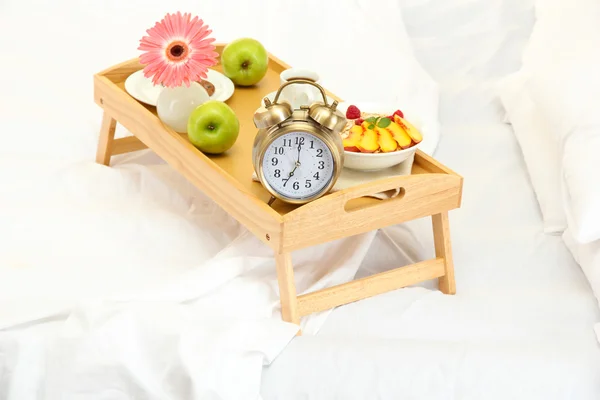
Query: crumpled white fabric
[
  {"x": 155, "y": 350},
  {"x": 126, "y": 278},
  {"x": 165, "y": 314}
]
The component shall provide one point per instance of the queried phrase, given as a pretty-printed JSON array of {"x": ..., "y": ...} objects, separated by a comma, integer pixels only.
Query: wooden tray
[{"x": 431, "y": 189}]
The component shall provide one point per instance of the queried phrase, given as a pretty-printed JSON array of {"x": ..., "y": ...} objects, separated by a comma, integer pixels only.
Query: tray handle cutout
[
  {"x": 401, "y": 183},
  {"x": 350, "y": 207}
]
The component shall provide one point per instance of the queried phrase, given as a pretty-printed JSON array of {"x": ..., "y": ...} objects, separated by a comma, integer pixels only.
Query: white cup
[{"x": 299, "y": 94}]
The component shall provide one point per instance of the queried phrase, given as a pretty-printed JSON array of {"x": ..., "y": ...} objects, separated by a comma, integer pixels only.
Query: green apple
[
  {"x": 213, "y": 127},
  {"x": 245, "y": 61}
]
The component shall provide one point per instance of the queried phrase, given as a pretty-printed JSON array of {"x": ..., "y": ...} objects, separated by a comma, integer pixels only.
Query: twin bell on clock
[{"x": 298, "y": 153}]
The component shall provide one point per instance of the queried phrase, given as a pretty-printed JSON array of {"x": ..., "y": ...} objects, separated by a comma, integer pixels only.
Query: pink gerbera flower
[{"x": 177, "y": 50}]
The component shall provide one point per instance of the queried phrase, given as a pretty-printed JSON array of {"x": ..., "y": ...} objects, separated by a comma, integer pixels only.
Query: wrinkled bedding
[
  {"x": 520, "y": 325},
  {"x": 135, "y": 285}
]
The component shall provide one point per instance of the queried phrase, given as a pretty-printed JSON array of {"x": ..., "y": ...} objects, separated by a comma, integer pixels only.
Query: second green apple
[
  {"x": 213, "y": 127},
  {"x": 245, "y": 61}
]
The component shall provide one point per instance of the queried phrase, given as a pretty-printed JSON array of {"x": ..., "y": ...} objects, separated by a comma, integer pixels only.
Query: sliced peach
[
  {"x": 399, "y": 135},
  {"x": 413, "y": 132},
  {"x": 368, "y": 143},
  {"x": 386, "y": 140},
  {"x": 351, "y": 142},
  {"x": 356, "y": 131}
]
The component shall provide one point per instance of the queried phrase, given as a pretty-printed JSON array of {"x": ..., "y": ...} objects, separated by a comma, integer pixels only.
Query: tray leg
[
  {"x": 107, "y": 135},
  {"x": 287, "y": 288},
  {"x": 443, "y": 249}
]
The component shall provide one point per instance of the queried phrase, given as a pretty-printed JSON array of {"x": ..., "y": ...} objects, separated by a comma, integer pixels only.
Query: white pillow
[
  {"x": 540, "y": 151},
  {"x": 568, "y": 91},
  {"x": 588, "y": 257},
  {"x": 561, "y": 32},
  {"x": 569, "y": 95},
  {"x": 581, "y": 184}
]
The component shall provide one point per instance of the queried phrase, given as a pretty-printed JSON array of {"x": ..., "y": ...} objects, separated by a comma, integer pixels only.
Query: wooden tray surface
[
  {"x": 227, "y": 178},
  {"x": 237, "y": 161}
]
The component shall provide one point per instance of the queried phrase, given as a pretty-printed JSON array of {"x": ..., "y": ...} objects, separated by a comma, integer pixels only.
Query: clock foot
[{"x": 271, "y": 200}]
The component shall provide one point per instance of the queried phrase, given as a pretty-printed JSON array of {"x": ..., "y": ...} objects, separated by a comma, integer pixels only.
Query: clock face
[{"x": 298, "y": 165}]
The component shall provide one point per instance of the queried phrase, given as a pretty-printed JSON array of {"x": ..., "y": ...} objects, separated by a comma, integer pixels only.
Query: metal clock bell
[{"x": 298, "y": 153}]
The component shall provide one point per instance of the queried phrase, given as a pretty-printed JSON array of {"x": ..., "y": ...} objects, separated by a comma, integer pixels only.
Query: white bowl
[{"x": 377, "y": 161}]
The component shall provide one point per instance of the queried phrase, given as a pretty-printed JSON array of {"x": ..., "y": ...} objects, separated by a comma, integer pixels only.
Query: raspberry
[
  {"x": 391, "y": 117},
  {"x": 398, "y": 113},
  {"x": 359, "y": 121},
  {"x": 352, "y": 112}
]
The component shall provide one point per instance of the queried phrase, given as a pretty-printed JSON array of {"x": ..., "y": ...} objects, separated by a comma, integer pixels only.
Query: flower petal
[{"x": 185, "y": 28}]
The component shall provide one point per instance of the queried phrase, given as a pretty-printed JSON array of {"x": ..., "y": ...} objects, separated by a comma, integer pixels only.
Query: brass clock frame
[
  {"x": 276, "y": 119},
  {"x": 266, "y": 137}
]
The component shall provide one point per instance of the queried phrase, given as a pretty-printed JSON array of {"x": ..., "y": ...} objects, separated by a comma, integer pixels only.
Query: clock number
[
  {"x": 278, "y": 150},
  {"x": 277, "y": 173},
  {"x": 296, "y": 185},
  {"x": 312, "y": 144},
  {"x": 299, "y": 140},
  {"x": 316, "y": 176},
  {"x": 285, "y": 181},
  {"x": 287, "y": 142},
  {"x": 319, "y": 152},
  {"x": 274, "y": 161},
  {"x": 307, "y": 183},
  {"x": 321, "y": 164}
]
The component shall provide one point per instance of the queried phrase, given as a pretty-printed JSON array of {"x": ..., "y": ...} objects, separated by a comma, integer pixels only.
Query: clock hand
[
  {"x": 296, "y": 165},
  {"x": 290, "y": 175}
]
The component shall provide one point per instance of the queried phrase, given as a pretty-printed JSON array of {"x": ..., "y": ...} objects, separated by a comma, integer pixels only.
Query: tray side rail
[
  {"x": 255, "y": 215},
  {"x": 339, "y": 215}
]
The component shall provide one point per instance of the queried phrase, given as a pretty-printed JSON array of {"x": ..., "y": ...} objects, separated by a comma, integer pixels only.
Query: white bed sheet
[
  {"x": 519, "y": 327},
  {"x": 127, "y": 282}
]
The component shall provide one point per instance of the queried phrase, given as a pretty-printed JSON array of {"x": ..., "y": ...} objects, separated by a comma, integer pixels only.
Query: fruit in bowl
[
  {"x": 376, "y": 140},
  {"x": 375, "y": 133}
]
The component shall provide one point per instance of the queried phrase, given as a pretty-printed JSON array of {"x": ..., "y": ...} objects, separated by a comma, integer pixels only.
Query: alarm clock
[{"x": 298, "y": 153}]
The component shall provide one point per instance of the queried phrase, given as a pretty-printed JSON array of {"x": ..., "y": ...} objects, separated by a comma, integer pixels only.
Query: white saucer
[
  {"x": 142, "y": 88},
  {"x": 271, "y": 97}
]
